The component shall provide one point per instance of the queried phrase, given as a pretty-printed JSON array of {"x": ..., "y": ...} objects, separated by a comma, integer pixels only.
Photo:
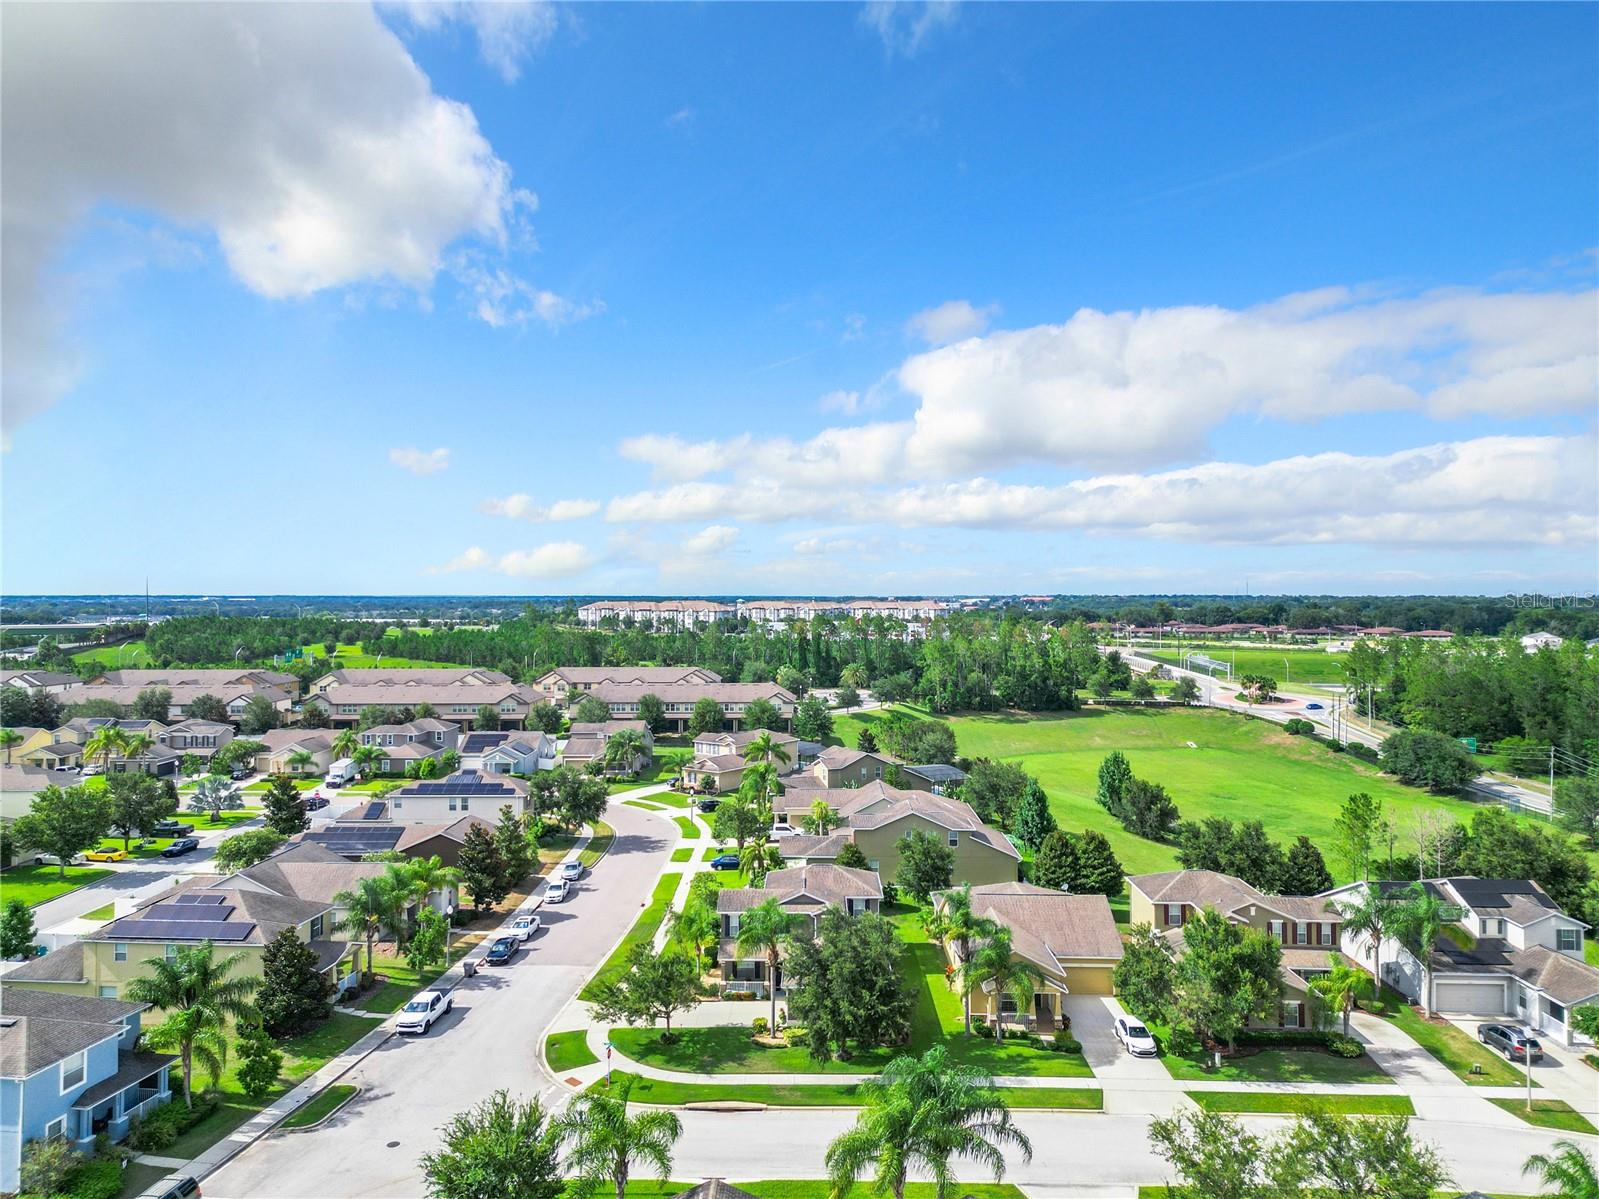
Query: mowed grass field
[
  {"x": 1301, "y": 665},
  {"x": 128, "y": 654},
  {"x": 1235, "y": 767}
]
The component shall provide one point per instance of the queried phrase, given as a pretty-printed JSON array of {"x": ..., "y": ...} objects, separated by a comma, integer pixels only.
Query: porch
[{"x": 110, "y": 1106}]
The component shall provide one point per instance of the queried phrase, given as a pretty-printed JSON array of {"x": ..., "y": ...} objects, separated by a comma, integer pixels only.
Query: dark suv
[
  {"x": 1514, "y": 1043},
  {"x": 170, "y": 828}
]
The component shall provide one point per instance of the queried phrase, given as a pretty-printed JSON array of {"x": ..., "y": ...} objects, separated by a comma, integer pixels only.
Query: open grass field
[
  {"x": 1266, "y": 1065},
  {"x": 1548, "y": 1113},
  {"x": 353, "y": 657},
  {"x": 1237, "y": 767},
  {"x": 40, "y": 884},
  {"x": 667, "y": 1093},
  {"x": 1291, "y": 1104},
  {"x": 1287, "y": 666},
  {"x": 129, "y": 655}
]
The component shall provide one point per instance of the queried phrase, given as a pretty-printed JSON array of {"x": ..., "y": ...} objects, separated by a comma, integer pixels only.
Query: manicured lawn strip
[
  {"x": 1450, "y": 1046},
  {"x": 1292, "y": 1104},
  {"x": 568, "y": 1050},
  {"x": 683, "y": 854},
  {"x": 1302, "y": 666},
  {"x": 691, "y": 831},
  {"x": 302, "y": 784},
  {"x": 403, "y": 982},
  {"x": 321, "y": 1106},
  {"x": 672, "y": 1094},
  {"x": 670, "y": 798},
  {"x": 135, "y": 851},
  {"x": 711, "y": 851},
  {"x": 138, "y": 1178},
  {"x": 642, "y": 933},
  {"x": 1548, "y": 1113},
  {"x": 729, "y": 1049},
  {"x": 40, "y": 884},
  {"x": 643, "y": 803},
  {"x": 1266, "y": 1065},
  {"x": 204, "y": 824},
  {"x": 103, "y": 912},
  {"x": 599, "y": 845}
]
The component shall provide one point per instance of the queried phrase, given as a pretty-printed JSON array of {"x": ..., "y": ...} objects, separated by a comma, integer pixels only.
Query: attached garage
[
  {"x": 1090, "y": 980},
  {"x": 1470, "y": 996}
]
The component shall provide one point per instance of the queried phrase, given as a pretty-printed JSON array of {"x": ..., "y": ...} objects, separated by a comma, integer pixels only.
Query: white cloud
[
  {"x": 508, "y": 31},
  {"x": 555, "y": 559},
  {"x": 683, "y": 116},
  {"x": 303, "y": 136},
  {"x": 953, "y": 320},
  {"x": 904, "y": 25},
  {"x": 421, "y": 462},
  {"x": 522, "y": 506},
  {"x": 501, "y": 298},
  {"x": 847, "y": 402},
  {"x": 670, "y": 457},
  {"x": 710, "y": 541}
]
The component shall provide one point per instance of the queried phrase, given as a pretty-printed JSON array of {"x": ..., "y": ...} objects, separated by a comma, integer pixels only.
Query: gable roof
[
  {"x": 809, "y": 888},
  {"x": 1519, "y": 900},
  {"x": 1225, "y": 893},
  {"x": 412, "y": 676},
  {"x": 1050, "y": 925},
  {"x": 631, "y": 674}
]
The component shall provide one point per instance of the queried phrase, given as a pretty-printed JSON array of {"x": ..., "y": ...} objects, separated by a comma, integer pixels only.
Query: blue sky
[{"x": 801, "y": 299}]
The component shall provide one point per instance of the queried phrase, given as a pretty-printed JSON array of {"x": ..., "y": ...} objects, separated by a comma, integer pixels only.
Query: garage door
[
  {"x": 1089, "y": 980},
  {"x": 1473, "y": 998}
]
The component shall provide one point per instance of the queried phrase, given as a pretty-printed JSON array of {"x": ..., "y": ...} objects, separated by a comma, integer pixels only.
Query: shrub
[
  {"x": 1067, "y": 1044},
  {"x": 890, "y": 892},
  {"x": 1375, "y": 1006},
  {"x": 759, "y": 1025},
  {"x": 980, "y": 1025},
  {"x": 1342, "y": 1046},
  {"x": 100, "y": 1178},
  {"x": 793, "y": 1036},
  {"x": 162, "y": 1127},
  {"x": 46, "y": 1166},
  {"x": 739, "y": 995},
  {"x": 1296, "y": 727}
]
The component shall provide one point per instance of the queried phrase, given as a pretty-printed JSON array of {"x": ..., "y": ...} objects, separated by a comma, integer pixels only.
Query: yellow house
[
  {"x": 32, "y": 738},
  {"x": 1071, "y": 940}
]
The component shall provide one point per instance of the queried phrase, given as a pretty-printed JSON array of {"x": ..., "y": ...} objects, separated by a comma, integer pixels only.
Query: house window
[
  {"x": 466, "y": 803},
  {"x": 452, "y": 803},
  {"x": 119, "y": 952},
  {"x": 56, "y": 1128},
  {"x": 1293, "y": 1014},
  {"x": 1174, "y": 914},
  {"x": 1275, "y": 928},
  {"x": 74, "y": 1070},
  {"x": 1554, "y": 1010},
  {"x": 318, "y": 926},
  {"x": 873, "y": 864},
  {"x": 1493, "y": 928},
  {"x": 172, "y": 953},
  {"x": 1301, "y": 935},
  {"x": 1327, "y": 937},
  {"x": 108, "y": 992},
  {"x": 1568, "y": 940},
  {"x": 954, "y": 836},
  {"x": 1007, "y": 1005}
]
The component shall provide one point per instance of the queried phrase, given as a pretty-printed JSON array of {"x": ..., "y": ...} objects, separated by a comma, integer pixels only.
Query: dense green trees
[
  {"x": 1427, "y": 759},
  {"x": 1145, "y": 975},
  {"x": 591, "y": 709},
  {"x": 994, "y": 789},
  {"x": 1034, "y": 821},
  {"x": 285, "y": 807},
  {"x": 655, "y": 987},
  {"x": 1226, "y": 975},
  {"x": 294, "y": 995},
  {"x": 926, "y": 864},
  {"x": 138, "y": 803},
  {"x": 247, "y": 848},
  {"x": 1243, "y": 850},
  {"x": 812, "y": 720},
  {"x": 499, "y": 1148},
  {"x": 845, "y": 985},
  {"x": 64, "y": 822}
]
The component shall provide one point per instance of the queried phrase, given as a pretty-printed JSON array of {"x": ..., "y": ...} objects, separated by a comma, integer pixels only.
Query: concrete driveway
[
  {"x": 1562, "y": 1074},
  {"x": 1093, "y": 1024}
]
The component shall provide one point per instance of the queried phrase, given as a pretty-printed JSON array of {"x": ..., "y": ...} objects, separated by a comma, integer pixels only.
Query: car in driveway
[
  {"x": 1515, "y": 1043},
  {"x": 1135, "y": 1038},
  {"x": 525, "y": 926},
  {"x": 169, "y": 828},
  {"x": 50, "y": 859},
  {"x": 502, "y": 951},
  {"x": 708, "y": 804},
  {"x": 180, "y": 847},
  {"x": 106, "y": 855},
  {"x": 725, "y": 861},
  {"x": 418, "y": 1016},
  {"x": 557, "y": 890}
]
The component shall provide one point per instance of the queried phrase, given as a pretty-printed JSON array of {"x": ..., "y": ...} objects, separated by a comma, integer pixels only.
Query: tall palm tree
[
  {"x": 758, "y": 859},
  {"x": 366, "y": 758},
  {"x": 606, "y": 1143},
  {"x": 368, "y": 906},
  {"x": 764, "y": 749},
  {"x": 994, "y": 964},
  {"x": 820, "y": 819},
  {"x": 346, "y": 743},
  {"x": 919, "y": 1114},
  {"x": 953, "y": 920},
  {"x": 1418, "y": 917},
  {"x": 1372, "y": 916},
  {"x": 299, "y": 760},
  {"x": 1569, "y": 1170},
  {"x": 104, "y": 743},
  {"x": 761, "y": 933},
  {"x": 1341, "y": 986},
  {"x": 623, "y": 749},
  {"x": 198, "y": 997},
  {"x": 9, "y": 740},
  {"x": 136, "y": 745},
  {"x": 424, "y": 876}
]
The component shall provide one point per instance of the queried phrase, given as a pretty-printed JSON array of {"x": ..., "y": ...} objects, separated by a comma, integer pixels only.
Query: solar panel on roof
[
  {"x": 190, "y": 911},
  {"x": 199, "y": 897},
  {"x": 183, "y": 930},
  {"x": 374, "y": 811}
]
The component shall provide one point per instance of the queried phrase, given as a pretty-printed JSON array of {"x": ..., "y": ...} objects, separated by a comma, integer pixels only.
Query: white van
[{"x": 341, "y": 772}]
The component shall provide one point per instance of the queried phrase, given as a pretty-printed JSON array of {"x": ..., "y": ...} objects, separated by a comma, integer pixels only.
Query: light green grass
[
  {"x": 642, "y": 933},
  {"x": 568, "y": 1050},
  {"x": 128, "y": 655},
  {"x": 813, "y": 1189},
  {"x": 691, "y": 831},
  {"x": 1452, "y": 1047},
  {"x": 1293, "y": 1104},
  {"x": 645, "y": 804},
  {"x": 683, "y": 854},
  {"x": 135, "y": 851},
  {"x": 352, "y": 657},
  {"x": 303, "y": 784},
  {"x": 673, "y": 1094},
  {"x": 1303, "y": 665},
  {"x": 403, "y": 982},
  {"x": 322, "y": 1106},
  {"x": 712, "y": 851},
  {"x": 1548, "y": 1113},
  {"x": 40, "y": 884},
  {"x": 1266, "y": 1065},
  {"x": 103, "y": 912},
  {"x": 663, "y": 767},
  {"x": 600, "y": 838}
]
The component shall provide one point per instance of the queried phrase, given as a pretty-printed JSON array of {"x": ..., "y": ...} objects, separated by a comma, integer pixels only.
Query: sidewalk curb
[{"x": 348, "y": 1099}]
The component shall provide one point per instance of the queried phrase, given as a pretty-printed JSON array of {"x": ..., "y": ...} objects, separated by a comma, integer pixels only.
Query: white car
[
  {"x": 571, "y": 871},
  {"x": 50, "y": 859},
  {"x": 418, "y": 1015},
  {"x": 557, "y": 890},
  {"x": 1135, "y": 1037},
  {"x": 525, "y": 926}
]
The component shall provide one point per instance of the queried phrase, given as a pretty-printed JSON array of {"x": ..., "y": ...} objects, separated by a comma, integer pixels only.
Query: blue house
[{"x": 69, "y": 1067}]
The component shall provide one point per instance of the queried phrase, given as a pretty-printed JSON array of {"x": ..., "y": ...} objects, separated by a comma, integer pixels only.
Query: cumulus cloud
[
  {"x": 501, "y": 298},
  {"x": 847, "y": 402},
  {"x": 953, "y": 320},
  {"x": 905, "y": 25},
  {"x": 553, "y": 560},
  {"x": 508, "y": 31},
  {"x": 710, "y": 541},
  {"x": 421, "y": 462},
  {"x": 303, "y": 136},
  {"x": 522, "y": 506}
]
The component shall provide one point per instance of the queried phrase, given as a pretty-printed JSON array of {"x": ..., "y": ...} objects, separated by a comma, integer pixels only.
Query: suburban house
[
  {"x": 53, "y": 755},
  {"x": 423, "y": 676},
  {"x": 51, "y": 682},
  {"x": 200, "y": 737},
  {"x": 445, "y": 800},
  {"x": 679, "y": 700},
  {"x": 674, "y": 614},
  {"x": 456, "y": 702},
  {"x": 933, "y": 776},
  {"x": 718, "y": 763},
  {"x": 81, "y": 728},
  {"x": 587, "y": 744},
  {"x": 160, "y": 760},
  {"x": 1511, "y": 953},
  {"x": 1533, "y": 642},
  {"x": 315, "y": 873},
  {"x": 32, "y": 738},
  {"x": 192, "y": 676},
  {"x": 1308, "y": 926},
  {"x": 839, "y": 766},
  {"x": 1071, "y": 939},
  {"x": 414, "y": 741},
  {"x": 235, "y": 697},
  {"x": 802, "y": 891},
  {"x": 876, "y": 816},
  {"x": 372, "y": 829},
  {"x": 508, "y": 753},
  {"x": 70, "y": 1068},
  {"x": 556, "y": 684},
  {"x": 283, "y": 744},
  {"x": 18, "y": 785}
]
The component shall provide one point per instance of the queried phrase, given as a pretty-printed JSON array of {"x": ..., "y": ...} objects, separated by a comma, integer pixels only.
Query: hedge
[
  {"x": 1302, "y": 1038},
  {"x": 98, "y": 1178}
]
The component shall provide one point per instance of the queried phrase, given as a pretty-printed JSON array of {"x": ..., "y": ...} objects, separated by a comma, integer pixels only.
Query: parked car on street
[
  {"x": 1135, "y": 1038},
  {"x": 180, "y": 847},
  {"x": 725, "y": 861},
  {"x": 106, "y": 855},
  {"x": 571, "y": 871},
  {"x": 1515, "y": 1043},
  {"x": 557, "y": 890},
  {"x": 525, "y": 926},
  {"x": 708, "y": 804},
  {"x": 1313, "y": 707},
  {"x": 174, "y": 1188},
  {"x": 502, "y": 951},
  {"x": 170, "y": 828},
  {"x": 418, "y": 1015},
  {"x": 315, "y": 802},
  {"x": 50, "y": 859}
]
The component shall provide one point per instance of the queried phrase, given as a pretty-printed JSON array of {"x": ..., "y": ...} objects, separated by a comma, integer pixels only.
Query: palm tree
[
  {"x": 764, "y": 749},
  {"x": 623, "y": 749},
  {"x": 1340, "y": 987},
  {"x": 1569, "y": 1170},
  {"x": 346, "y": 743},
  {"x": 1371, "y": 915},
  {"x": 606, "y": 1142},
  {"x": 697, "y": 926},
  {"x": 761, "y": 933},
  {"x": 198, "y": 997},
  {"x": 918, "y": 1115},
  {"x": 299, "y": 760},
  {"x": 136, "y": 745},
  {"x": 9, "y": 740},
  {"x": 368, "y": 906},
  {"x": 104, "y": 743},
  {"x": 954, "y": 920},
  {"x": 1418, "y": 917},
  {"x": 820, "y": 818},
  {"x": 367, "y": 758},
  {"x": 757, "y": 859},
  {"x": 995, "y": 965},
  {"x": 423, "y": 876}
]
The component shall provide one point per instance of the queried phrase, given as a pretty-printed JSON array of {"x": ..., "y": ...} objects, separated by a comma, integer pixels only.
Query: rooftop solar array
[
  {"x": 351, "y": 840},
  {"x": 135, "y": 929},
  {"x": 376, "y": 810},
  {"x": 464, "y": 782},
  {"x": 199, "y": 897},
  {"x": 477, "y": 743},
  {"x": 207, "y": 912}
]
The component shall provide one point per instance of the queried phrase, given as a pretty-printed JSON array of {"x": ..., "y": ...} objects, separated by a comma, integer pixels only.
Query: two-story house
[
  {"x": 718, "y": 764},
  {"x": 199, "y": 737},
  {"x": 555, "y": 685},
  {"x": 508, "y": 753},
  {"x": 840, "y": 766},
  {"x": 446, "y": 800},
  {"x": 282, "y": 745},
  {"x": 406, "y": 676},
  {"x": 235, "y": 697},
  {"x": 415, "y": 741},
  {"x": 805, "y": 892},
  {"x": 456, "y": 702},
  {"x": 679, "y": 699},
  {"x": 587, "y": 740},
  {"x": 70, "y": 1068}
]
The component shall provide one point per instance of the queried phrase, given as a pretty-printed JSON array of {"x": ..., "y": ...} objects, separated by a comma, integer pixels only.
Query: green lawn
[
  {"x": 645, "y": 804},
  {"x": 1266, "y": 1065},
  {"x": 1548, "y": 1113},
  {"x": 321, "y": 1106},
  {"x": 642, "y": 933},
  {"x": 729, "y": 1049},
  {"x": 136, "y": 852},
  {"x": 672, "y": 1094},
  {"x": 403, "y": 982},
  {"x": 713, "y": 851},
  {"x": 1450, "y": 1046},
  {"x": 1293, "y": 1104},
  {"x": 39, "y": 884},
  {"x": 600, "y": 838},
  {"x": 805, "y": 1189},
  {"x": 1301, "y": 666},
  {"x": 137, "y": 1179},
  {"x": 229, "y": 820},
  {"x": 129, "y": 655},
  {"x": 691, "y": 831},
  {"x": 568, "y": 1050},
  {"x": 663, "y": 768},
  {"x": 303, "y": 784},
  {"x": 103, "y": 912},
  {"x": 683, "y": 853}
]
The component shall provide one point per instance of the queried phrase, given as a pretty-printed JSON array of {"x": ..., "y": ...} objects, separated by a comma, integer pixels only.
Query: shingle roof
[
  {"x": 309, "y": 871},
  {"x": 54, "y": 1005},
  {"x": 822, "y": 882},
  {"x": 131, "y": 1068},
  {"x": 411, "y": 694},
  {"x": 1067, "y": 926},
  {"x": 16, "y": 779},
  {"x": 38, "y": 1028},
  {"x": 408, "y": 676},
  {"x": 1212, "y": 889},
  {"x": 196, "y": 676},
  {"x": 633, "y": 674},
  {"x": 64, "y": 965},
  {"x": 714, "y": 1188},
  {"x": 1564, "y": 979}
]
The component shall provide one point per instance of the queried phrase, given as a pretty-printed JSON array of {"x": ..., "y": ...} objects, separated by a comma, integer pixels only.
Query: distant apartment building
[
  {"x": 455, "y": 702},
  {"x": 777, "y": 610},
  {"x": 421, "y": 676},
  {"x": 679, "y": 699},
  {"x": 556, "y": 684},
  {"x": 676, "y": 614}
]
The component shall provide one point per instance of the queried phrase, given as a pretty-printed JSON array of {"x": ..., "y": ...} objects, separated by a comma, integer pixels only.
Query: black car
[
  {"x": 502, "y": 951},
  {"x": 242, "y": 772},
  {"x": 180, "y": 847},
  {"x": 1514, "y": 1043},
  {"x": 170, "y": 828},
  {"x": 708, "y": 805},
  {"x": 725, "y": 861},
  {"x": 315, "y": 803}
]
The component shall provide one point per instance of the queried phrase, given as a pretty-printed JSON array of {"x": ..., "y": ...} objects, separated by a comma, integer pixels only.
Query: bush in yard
[
  {"x": 294, "y": 995},
  {"x": 259, "y": 1063},
  {"x": 759, "y": 1026},
  {"x": 160, "y": 1129},
  {"x": 99, "y": 1178},
  {"x": 1427, "y": 759},
  {"x": 248, "y": 848},
  {"x": 46, "y": 1165},
  {"x": 926, "y": 864},
  {"x": 1067, "y": 1044}
]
